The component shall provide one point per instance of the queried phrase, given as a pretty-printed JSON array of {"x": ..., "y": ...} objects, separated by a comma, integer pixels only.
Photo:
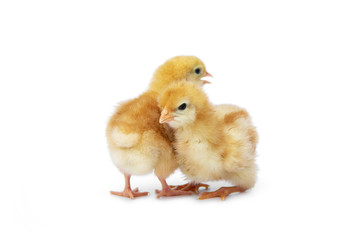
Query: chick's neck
[{"x": 206, "y": 125}]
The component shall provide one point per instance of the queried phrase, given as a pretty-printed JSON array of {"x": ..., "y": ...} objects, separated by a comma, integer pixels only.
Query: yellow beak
[{"x": 165, "y": 117}]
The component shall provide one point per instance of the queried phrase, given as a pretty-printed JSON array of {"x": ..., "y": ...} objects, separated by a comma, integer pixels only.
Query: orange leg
[
  {"x": 168, "y": 192},
  {"x": 127, "y": 190},
  {"x": 221, "y": 192},
  {"x": 191, "y": 186}
]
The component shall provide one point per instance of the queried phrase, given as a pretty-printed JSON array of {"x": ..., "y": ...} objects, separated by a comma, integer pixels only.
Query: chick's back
[
  {"x": 136, "y": 115},
  {"x": 240, "y": 137},
  {"x": 136, "y": 139}
]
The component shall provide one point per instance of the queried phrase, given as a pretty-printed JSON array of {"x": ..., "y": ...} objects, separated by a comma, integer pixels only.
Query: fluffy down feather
[
  {"x": 212, "y": 142},
  {"x": 138, "y": 144}
]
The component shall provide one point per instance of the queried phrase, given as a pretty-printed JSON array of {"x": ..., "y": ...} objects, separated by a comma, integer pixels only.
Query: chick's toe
[
  {"x": 130, "y": 193},
  {"x": 221, "y": 192},
  {"x": 191, "y": 186}
]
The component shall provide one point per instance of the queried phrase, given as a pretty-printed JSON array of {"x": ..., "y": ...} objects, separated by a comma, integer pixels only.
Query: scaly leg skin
[
  {"x": 191, "y": 186},
  {"x": 127, "y": 190},
  {"x": 221, "y": 192},
  {"x": 168, "y": 192}
]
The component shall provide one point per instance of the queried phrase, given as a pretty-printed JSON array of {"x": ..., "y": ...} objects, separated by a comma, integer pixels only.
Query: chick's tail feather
[{"x": 124, "y": 140}]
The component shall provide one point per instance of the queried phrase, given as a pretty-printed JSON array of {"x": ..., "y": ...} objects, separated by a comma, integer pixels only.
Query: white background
[{"x": 64, "y": 65}]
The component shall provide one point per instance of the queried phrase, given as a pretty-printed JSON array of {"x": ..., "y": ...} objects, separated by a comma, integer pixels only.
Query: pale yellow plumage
[{"x": 212, "y": 142}]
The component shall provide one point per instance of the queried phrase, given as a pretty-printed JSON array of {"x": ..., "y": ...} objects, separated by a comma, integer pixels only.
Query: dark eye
[
  {"x": 197, "y": 70},
  {"x": 182, "y": 106}
]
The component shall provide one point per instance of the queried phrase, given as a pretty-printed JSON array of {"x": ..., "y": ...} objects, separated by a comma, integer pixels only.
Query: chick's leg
[
  {"x": 168, "y": 192},
  {"x": 191, "y": 186},
  {"x": 221, "y": 192},
  {"x": 127, "y": 190}
]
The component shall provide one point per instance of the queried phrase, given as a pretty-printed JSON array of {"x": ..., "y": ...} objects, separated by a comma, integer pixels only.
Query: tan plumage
[
  {"x": 212, "y": 142},
  {"x": 138, "y": 144}
]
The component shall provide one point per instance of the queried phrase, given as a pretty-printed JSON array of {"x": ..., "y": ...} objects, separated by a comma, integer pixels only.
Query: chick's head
[
  {"x": 182, "y": 103},
  {"x": 189, "y": 68}
]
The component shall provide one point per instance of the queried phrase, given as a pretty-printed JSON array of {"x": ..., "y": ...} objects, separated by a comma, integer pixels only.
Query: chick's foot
[
  {"x": 130, "y": 193},
  {"x": 127, "y": 190},
  {"x": 168, "y": 192},
  {"x": 221, "y": 192},
  {"x": 191, "y": 186}
]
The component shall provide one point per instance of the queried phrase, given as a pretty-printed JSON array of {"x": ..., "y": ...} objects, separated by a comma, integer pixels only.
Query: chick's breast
[{"x": 198, "y": 159}]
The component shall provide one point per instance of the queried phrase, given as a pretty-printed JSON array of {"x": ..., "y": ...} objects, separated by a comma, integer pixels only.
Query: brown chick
[
  {"x": 211, "y": 142},
  {"x": 138, "y": 144}
]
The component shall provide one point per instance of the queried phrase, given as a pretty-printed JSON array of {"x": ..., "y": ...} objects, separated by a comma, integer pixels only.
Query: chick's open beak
[
  {"x": 165, "y": 116},
  {"x": 206, "y": 75}
]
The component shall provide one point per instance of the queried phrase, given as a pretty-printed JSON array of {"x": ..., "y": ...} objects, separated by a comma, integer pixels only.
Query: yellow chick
[
  {"x": 138, "y": 144},
  {"x": 211, "y": 142}
]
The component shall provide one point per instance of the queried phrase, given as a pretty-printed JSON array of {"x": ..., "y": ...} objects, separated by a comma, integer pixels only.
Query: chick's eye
[
  {"x": 197, "y": 70},
  {"x": 182, "y": 106}
]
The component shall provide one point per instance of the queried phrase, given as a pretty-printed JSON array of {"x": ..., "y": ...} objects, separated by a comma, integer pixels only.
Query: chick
[
  {"x": 211, "y": 142},
  {"x": 138, "y": 144}
]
